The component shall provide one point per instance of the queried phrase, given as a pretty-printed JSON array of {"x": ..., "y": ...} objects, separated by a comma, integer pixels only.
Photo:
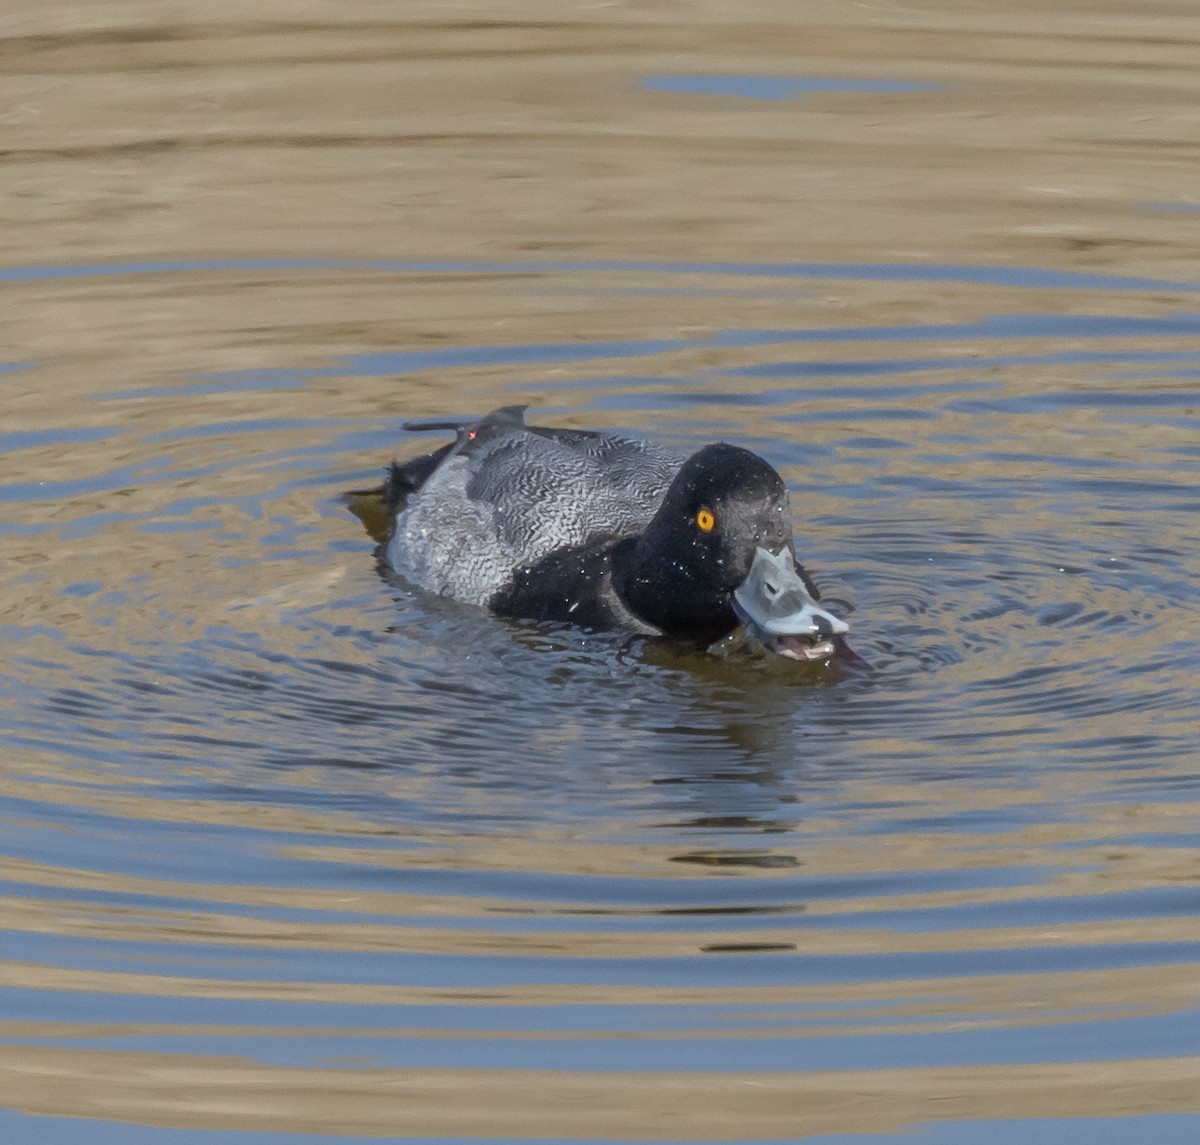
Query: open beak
[{"x": 776, "y": 606}]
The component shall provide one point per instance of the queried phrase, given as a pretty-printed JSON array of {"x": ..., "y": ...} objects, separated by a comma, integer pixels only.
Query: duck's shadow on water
[
  {"x": 680, "y": 709},
  {"x": 958, "y": 623}
]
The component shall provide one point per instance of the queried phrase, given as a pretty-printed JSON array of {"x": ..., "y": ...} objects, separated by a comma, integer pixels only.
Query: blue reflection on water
[
  {"x": 731, "y": 967},
  {"x": 1022, "y": 277},
  {"x": 1144, "y": 903},
  {"x": 1161, "y": 1128},
  {"x": 58, "y": 435},
  {"x": 774, "y": 87},
  {"x": 889, "y": 366},
  {"x": 953, "y": 1043},
  {"x": 399, "y": 362},
  {"x": 26, "y": 1004}
]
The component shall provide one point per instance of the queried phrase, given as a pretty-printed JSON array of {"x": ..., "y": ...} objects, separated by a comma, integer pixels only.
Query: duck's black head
[{"x": 719, "y": 552}]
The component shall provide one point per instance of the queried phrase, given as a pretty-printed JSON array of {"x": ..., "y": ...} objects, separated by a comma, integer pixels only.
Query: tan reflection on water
[
  {"x": 1101, "y": 870},
  {"x": 441, "y": 130},
  {"x": 233, "y": 1093}
]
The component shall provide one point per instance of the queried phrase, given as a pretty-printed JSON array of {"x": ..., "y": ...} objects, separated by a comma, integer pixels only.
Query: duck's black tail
[{"x": 377, "y": 508}]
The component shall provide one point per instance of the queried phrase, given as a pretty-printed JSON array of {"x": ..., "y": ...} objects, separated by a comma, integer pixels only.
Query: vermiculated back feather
[{"x": 505, "y": 496}]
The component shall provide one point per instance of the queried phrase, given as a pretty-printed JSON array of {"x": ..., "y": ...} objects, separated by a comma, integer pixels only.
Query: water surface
[{"x": 290, "y": 852}]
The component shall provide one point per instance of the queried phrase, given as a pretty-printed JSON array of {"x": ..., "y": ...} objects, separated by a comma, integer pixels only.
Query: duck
[{"x": 602, "y": 531}]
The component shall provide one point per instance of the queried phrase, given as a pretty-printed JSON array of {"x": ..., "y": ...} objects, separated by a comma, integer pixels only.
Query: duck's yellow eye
[{"x": 705, "y": 520}]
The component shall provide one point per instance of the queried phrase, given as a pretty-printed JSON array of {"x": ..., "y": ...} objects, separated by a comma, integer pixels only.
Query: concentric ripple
[{"x": 288, "y": 848}]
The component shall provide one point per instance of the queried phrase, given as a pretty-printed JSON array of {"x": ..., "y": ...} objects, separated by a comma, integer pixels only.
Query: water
[{"x": 289, "y": 853}]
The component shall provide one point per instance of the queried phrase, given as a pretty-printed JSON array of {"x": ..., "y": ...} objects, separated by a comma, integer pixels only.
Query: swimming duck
[{"x": 602, "y": 531}]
